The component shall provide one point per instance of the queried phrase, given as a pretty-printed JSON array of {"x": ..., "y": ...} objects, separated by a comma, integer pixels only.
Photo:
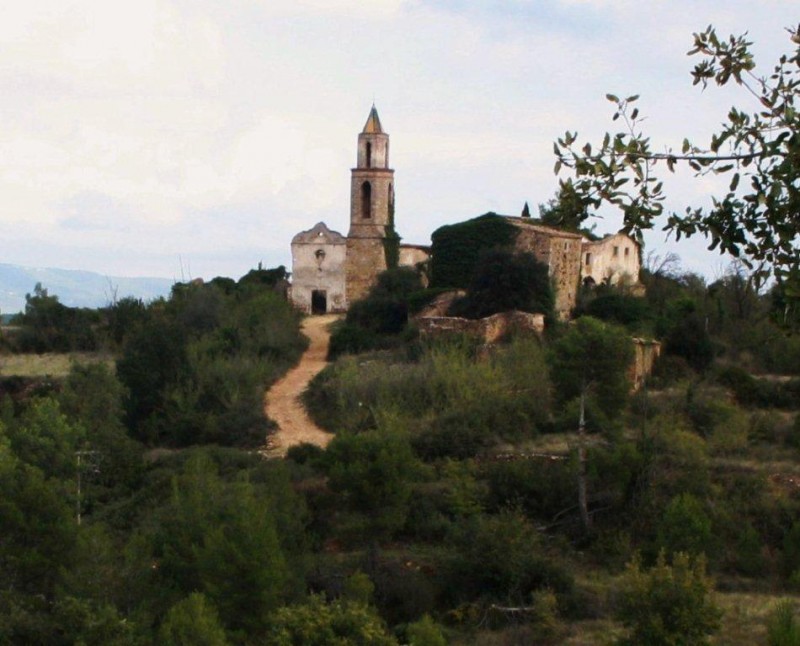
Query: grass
[{"x": 49, "y": 364}]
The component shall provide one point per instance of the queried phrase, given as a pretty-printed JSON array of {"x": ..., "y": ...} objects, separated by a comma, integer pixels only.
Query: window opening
[
  {"x": 366, "y": 200},
  {"x": 369, "y": 155}
]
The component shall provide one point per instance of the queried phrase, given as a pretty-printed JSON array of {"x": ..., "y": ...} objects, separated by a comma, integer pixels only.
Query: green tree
[
  {"x": 758, "y": 218},
  {"x": 43, "y": 437},
  {"x": 374, "y": 471},
  {"x": 93, "y": 397},
  {"x": 192, "y": 621},
  {"x": 593, "y": 357},
  {"x": 668, "y": 604},
  {"x": 37, "y": 540},
  {"x": 221, "y": 539},
  {"x": 49, "y": 326},
  {"x": 568, "y": 210}
]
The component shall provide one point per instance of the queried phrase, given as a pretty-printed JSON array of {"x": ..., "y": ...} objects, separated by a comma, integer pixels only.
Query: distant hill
[{"x": 74, "y": 288}]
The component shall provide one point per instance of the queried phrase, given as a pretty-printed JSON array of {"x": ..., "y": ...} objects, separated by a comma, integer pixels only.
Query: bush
[
  {"x": 617, "y": 308},
  {"x": 378, "y": 314},
  {"x": 689, "y": 339},
  {"x": 541, "y": 488},
  {"x": 685, "y": 527},
  {"x": 668, "y": 604},
  {"x": 782, "y": 626},
  {"x": 504, "y": 281},
  {"x": 500, "y": 558}
]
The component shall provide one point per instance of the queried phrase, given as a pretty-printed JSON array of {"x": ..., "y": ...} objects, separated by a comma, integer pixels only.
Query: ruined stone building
[
  {"x": 330, "y": 271},
  {"x": 613, "y": 259}
]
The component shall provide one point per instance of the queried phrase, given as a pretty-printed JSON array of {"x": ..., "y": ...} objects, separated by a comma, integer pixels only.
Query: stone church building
[{"x": 330, "y": 271}]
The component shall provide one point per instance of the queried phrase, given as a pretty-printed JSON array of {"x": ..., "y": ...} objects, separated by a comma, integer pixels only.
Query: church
[{"x": 331, "y": 271}]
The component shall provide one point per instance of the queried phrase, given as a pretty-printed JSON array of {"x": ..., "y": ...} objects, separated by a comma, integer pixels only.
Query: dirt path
[{"x": 282, "y": 402}]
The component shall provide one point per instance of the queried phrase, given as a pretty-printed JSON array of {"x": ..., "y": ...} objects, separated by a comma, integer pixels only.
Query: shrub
[
  {"x": 193, "y": 620},
  {"x": 378, "y": 314},
  {"x": 541, "y": 488},
  {"x": 617, "y": 308},
  {"x": 318, "y": 623},
  {"x": 500, "y": 558},
  {"x": 689, "y": 339},
  {"x": 425, "y": 632},
  {"x": 782, "y": 626},
  {"x": 504, "y": 281},
  {"x": 668, "y": 604},
  {"x": 685, "y": 527}
]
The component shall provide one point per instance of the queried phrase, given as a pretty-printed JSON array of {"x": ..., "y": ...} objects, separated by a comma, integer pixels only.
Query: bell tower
[{"x": 371, "y": 210}]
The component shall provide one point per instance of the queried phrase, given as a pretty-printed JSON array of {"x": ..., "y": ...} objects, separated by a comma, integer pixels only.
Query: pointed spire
[
  {"x": 526, "y": 212},
  {"x": 373, "y": 124}
]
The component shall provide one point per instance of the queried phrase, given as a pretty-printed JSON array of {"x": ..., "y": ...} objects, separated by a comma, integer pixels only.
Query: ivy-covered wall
[{"x": 456, "y": 247}]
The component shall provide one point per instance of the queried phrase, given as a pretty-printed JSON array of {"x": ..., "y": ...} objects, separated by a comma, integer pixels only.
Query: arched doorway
[{"x": 319, "y": 301}]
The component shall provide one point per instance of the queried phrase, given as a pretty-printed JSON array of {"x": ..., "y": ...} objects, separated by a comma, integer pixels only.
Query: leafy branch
[{"x": 758, "y": 218}]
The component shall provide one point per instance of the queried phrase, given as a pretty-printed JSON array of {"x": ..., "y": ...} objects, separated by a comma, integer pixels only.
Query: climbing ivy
[
  {"x": 456, "y": 247},
  {"x": 391, "y": 247}
]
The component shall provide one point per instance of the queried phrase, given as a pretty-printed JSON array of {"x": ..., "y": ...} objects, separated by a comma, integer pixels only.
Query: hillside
[{"x": 74, "y": 288}]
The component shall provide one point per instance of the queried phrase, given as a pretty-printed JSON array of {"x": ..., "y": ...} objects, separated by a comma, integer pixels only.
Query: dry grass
[
  {"x": 47, "y": 365},
  {"x": 745, "y": 618}
]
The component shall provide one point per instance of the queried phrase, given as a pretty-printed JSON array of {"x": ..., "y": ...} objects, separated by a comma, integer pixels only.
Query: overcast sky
[{"x": 191, "y": 138}]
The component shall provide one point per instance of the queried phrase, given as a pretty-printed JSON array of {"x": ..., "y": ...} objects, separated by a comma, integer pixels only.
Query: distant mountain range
[{"x": 74, "y": 288}]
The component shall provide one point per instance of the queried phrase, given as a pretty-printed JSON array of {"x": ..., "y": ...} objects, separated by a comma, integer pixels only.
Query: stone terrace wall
[
  {"x": 646, "y": 351},
  {"x": 490, "y": 329}
]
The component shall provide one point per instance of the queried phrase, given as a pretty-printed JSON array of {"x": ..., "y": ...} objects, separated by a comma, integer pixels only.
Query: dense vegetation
[
  {"x": 456, "y": 248},
  {"x": 513, "y": 494},
  {"x": 446, "y": 508}
]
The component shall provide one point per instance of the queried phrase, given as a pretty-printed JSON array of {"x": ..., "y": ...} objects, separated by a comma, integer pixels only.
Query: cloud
[{"x": 133, "y": 132}]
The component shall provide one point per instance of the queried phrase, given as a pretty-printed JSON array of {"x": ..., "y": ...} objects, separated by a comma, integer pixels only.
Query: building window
[
  {"x": 366, "y": 200},
  {"x": 369, "y": 155},
  {"x": 588, "y": 259},
  {"x": 626, "y": 251},
  {"x": 616, "y": 251}
]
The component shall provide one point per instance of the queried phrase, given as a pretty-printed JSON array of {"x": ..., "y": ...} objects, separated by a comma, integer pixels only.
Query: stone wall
[
  {"x": 411, "y": 255},
  {"x": 613, "y": 259},
  {"x": 489, "y": 330},
  {"x": 366, "y": 258},
  {"x": 646, "y": 351},
  {"x": 561, "y": 252}
]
